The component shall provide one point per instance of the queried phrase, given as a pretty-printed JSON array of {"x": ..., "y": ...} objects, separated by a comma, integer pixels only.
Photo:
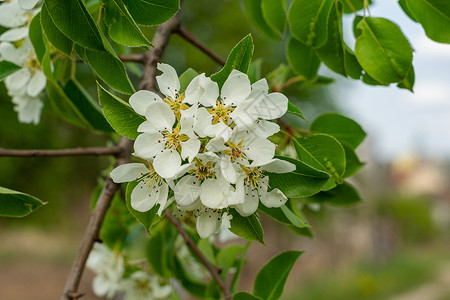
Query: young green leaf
[
  {"x": 186, "y": 78},
  {"x": 90, "y": 109},
  {"x": 238, "y": 59},
  {"x": 53, "y": 34},
  {"x": 17, "y": 204},
  {"x": 254, "y": 72},
  {"x": 308, "y": 21},
  {"x": 405, "y": 8},
  {"x": 253, "y": 9},
  {"x": 152, "y": 12},
  {"x": 227, "y": 257},
  {"x": 149, "y": 218},
  {"x": 382, "y": 50},
  {"x": 122, "y": 28},
  {"x": 344, "y": 129},
  {"x": 285, "y": 216},
  {"x": 293, "y": 109},
  {"x": 342, "y": 194},
  {"x": 353, "y": 163},
  {"x": 36, "y": 38},
  {"x": 115, "y": 227},
  {"x": 74, "y": 21},
  {"x": 302, "y": 182},
  {"x": 160, "y": 248},
  {"x": 274, "y": 12},
  {"x": 7, "y": 68},
  {"x": 302, "y": 59},
  {"x": 245, "y": 296},
  {"x": 434, "y": 15},
  {"x": 352, "y": 6},
  {"x": 269, "y": 282},
  {"x": 409, "y": 80},
  {"x": 322, "y": 152},
  {"x": 119, "y": 114},
  {"x": 248, "y": 228}
]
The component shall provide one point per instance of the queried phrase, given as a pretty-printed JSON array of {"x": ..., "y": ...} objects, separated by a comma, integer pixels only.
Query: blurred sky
[{"x": 397, "y": 120}]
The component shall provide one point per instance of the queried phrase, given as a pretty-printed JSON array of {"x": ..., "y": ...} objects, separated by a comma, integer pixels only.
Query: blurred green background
[{"x": 393, "y": 245}]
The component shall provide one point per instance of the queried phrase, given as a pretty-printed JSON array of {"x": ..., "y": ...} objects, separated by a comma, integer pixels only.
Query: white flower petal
[
  {"x": 245, "y": 113},
  {"x": 190, "y": 149},
  {"x": 219, "y": 130},
  {"x": 11, "y": 15},
  {"x": 146, "y": 126},
  {"x": 36, "y": 83},
  {"x": 250, "y": 203},
  {"x": 272, "y": 106},
  {"x": 278, "y": 166},
  {"x": 168, "y": 81},
  {"x": 259, "y": 88},
  {"x": 227, "y": 169},
  {"x": 202, "y": 90},
  {"x": 14, "y": 34},
  {"x": 141, "y": 99},
  {"x": 261, "y": 151},
  {"x": 145, "y": 196},
  {"x": 27, "y": 4},
  {"x": 148, "y": 145},
  {"x": 207, "y": 223},
  {"x": 160, "y": 115},
  {"x": 128, "y": 172},
  {"x": 28, "y": 108},
  {"x": 203, "y": 119},
  {"x": 211, "y": 196},
  {"x": 100, "y": 286},
  {"x": 274, "y": 198},
  {"x": 15, "y": 55},
  {"x": 18, "y": 80},
  {"x": 264, "y": 129},
  {"x": 187, "y": 190},
  {"x": 236, "y": 88},
  {"x": 167, "y": 163},
  {"x": 164, "y": 203}
]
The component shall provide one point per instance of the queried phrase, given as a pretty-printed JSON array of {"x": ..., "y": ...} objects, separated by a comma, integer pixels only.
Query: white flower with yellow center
[
  {"x": 256, "y": 185},
  {"x": 143, "y": 286},
  {"x": 150, "y": 190},
  {"x": 15, "y": 13},
  {"x": 109, "y": 269}
]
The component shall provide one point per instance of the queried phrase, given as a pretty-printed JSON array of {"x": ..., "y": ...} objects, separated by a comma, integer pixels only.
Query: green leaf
[
  {"x": 248, "y": 228},
  {"x": 342, "y": 194},
  {"x": 405, "y": 8},
  {"x": 274, "y": 12},
  {"x": 294, "y": 219},
  {"x": 353, "y": 163},
  {"x": 302, "y": 182},
  {"x": 53, "y": 34},
  {"x": 322, "y": 152},
  {"x": 186, "y": 78},
  {"x": 183, "y": 274},
  {"x": 254, "y": 72},
  {"x": 245, "y": 296},
  {"x": 148, "y": 218},
  {"x": 63, "y": 105},
  {"x": 269, "y": 282},
  {"x": 160, "y": 248},
  {"x": 7, "y": 68},
  {"x": 382, "y": 50},
  {"x": 17, "y": 204},
  {"x": 342, "y": 128},
  {"x": 238, "y": 59},
  {"x": 119, "y": 114},
  {"x": 115, "y": 230},
  {"x": 74, "y": 21},
  {"x": 285, "y": 216},
  {"x": 293, "y": 109},
  {"x": 227, "y": 257},
  {"x": 110, "y": 69},
  {"x": 152, "y": 12},
  {"x": 308, "y": 21},
  {"x": 351, "y": 6},
  {"x": 36, "y": 38},
  {"x": 408, "y": 82},
  {"x": 87, "y": 107},
  {"x": 253, "y": 9},
  {"x": 122, "y": 28},
  {"x": 356, "y": 32},
  {"x": 434, "y": 15},
  {"x": 302, "y": 59}
]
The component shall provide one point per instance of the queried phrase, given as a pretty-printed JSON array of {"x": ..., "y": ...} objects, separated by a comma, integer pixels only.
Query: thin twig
[
  {"x": 95, "y": 222},
  {"x": 213, "y": 270},
  {"x": 96, "y": 151},
  {"x": 137, "y": 58},
  {"x": 194, "y": 41}
]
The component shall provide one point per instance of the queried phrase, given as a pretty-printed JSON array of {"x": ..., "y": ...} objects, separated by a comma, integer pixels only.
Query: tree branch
[
  {"x": 137, "y": 58},
  {"x": 194, "y": 41},
  {"x": 213, "y": 270},
  {"x": 95, "y": 222},
  {"x": 96, "y": 151}
]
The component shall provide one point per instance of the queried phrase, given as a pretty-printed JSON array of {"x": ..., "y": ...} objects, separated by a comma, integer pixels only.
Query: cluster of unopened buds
[
  {"x": 209, "y": 145},
  {"x": 25, "y": 85}
]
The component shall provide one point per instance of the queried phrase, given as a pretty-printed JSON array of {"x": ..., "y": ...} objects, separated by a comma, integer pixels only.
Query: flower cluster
[
  {"x": 209, "y": 145},
  {"x": 110, "y": 279},
  {"x": 25, "y": 85}
]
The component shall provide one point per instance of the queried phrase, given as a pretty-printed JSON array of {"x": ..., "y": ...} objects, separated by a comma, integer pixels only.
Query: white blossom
[{"x": 144, "y": 286}]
